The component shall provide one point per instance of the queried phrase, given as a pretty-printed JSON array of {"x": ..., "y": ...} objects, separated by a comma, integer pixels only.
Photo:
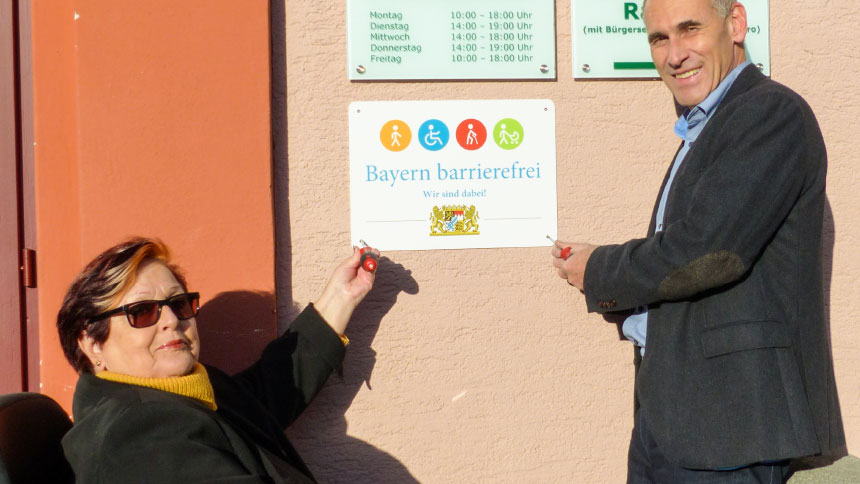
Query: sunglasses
[{"x": 143, "y": 314}]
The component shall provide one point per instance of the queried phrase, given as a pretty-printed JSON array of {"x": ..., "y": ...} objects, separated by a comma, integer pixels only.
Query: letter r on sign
[{"x": 630, "y": 10}]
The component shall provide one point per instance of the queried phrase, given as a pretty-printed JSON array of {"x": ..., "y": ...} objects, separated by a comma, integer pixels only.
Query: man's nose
[{"x": 678, "y": 53}]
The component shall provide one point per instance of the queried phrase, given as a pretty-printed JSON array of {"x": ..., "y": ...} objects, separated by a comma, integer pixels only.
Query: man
[{"x": 724, "y": 295}]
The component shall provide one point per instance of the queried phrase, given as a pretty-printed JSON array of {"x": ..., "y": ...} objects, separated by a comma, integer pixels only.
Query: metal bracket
[{"x": 28, "y": 267}]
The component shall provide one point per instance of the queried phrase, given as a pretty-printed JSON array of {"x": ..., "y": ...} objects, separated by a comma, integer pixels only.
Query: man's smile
[{"x": 687, "y": 74}]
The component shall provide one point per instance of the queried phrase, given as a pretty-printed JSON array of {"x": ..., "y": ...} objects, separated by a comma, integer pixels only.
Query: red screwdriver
[
  {"x": 369, "y": 260},
  {"x": 565, "y": 252}
]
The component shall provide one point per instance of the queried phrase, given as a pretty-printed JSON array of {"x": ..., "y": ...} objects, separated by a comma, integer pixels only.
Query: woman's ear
[{"x": 92, "y": 349}]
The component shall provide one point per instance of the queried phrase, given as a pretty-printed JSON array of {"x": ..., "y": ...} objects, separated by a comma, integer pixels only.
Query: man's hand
[{"x": 572, "y": 268}]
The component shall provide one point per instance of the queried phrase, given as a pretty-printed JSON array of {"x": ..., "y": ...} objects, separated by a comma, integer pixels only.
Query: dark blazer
[
  {"x": 128, "y": 433},
  {"x": 738, "y": 366}
]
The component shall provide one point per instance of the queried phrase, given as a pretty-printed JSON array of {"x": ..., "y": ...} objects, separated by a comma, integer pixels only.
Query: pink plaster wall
[{"x": 518, "y": 383}]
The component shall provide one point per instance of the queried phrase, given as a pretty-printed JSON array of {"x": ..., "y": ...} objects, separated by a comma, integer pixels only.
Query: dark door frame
[{"x": 18, "y": 321}]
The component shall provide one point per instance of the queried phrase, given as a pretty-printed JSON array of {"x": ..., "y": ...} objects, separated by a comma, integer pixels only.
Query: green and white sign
[
  {"x": 609, "y": 39},
  {"x": 450, "y": 39}
]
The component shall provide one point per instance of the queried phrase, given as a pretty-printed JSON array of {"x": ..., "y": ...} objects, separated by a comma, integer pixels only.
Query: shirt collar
[{"x": 702, "y": 111}]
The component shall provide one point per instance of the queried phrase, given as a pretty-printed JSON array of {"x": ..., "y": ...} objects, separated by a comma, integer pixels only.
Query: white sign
[
  {"x": 609, "y": 39},
  {"x": 452, "y": 174}
]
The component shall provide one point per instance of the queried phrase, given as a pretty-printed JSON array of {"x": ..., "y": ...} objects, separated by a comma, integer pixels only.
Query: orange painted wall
[
  {"x": 152, "y": 118},
  {"x": 56, "y": 171}
]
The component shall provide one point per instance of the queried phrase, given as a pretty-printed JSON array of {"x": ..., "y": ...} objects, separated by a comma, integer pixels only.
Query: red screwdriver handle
[
  {"x": 565, "y": 253},
  {"x": 369, "y": 260}
]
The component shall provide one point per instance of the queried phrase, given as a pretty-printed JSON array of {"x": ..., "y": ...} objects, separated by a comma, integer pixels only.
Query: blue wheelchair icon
[{"x": 433, "y": 135}]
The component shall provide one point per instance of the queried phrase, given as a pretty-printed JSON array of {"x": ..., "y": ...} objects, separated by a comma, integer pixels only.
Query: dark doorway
[{"x": 15, "y": 201}]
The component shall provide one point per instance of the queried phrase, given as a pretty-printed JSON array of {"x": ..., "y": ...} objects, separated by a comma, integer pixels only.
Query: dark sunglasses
[{"x": 142, "y": 314}]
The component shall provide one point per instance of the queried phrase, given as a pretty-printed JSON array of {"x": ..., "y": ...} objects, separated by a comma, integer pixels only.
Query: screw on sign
[{"x": 369, "y": 261}]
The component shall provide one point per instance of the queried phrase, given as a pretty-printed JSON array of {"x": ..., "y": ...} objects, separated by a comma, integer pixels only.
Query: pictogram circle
[
  {"x": 395, "y": 135},
  {"x": 471, "y": 134},
  {"x": 433, "y": 134}
]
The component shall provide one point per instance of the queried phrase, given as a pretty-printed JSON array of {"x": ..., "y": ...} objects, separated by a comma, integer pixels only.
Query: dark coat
[
  {"x": 128, "y": 433},
  {"x": 738, "y": 366}
]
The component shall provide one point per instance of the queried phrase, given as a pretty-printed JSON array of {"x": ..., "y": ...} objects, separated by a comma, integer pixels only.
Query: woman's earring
[{"x": 98, "y": 363}]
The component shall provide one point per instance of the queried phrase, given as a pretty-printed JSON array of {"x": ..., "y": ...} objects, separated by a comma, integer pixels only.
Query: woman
[{"x": 147, "y": 412}]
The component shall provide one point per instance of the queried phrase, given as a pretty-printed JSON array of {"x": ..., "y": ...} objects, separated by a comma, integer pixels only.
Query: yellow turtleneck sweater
[{"x": 195, "y": 385}]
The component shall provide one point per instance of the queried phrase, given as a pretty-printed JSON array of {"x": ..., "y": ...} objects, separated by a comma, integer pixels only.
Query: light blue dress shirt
[{"x": 688, "y": 127}]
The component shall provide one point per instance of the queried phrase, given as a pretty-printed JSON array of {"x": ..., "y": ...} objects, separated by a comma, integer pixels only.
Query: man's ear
[
  {"x": 90, "y": 348},
  {"x": 738, "y": 22}
]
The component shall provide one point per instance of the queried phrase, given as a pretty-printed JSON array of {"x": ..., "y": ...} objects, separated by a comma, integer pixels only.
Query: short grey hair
[{"x": 723, "y": 7}]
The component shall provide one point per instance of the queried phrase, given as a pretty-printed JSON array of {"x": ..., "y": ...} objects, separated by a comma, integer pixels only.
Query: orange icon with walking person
[{"x": 395, "y": 135}]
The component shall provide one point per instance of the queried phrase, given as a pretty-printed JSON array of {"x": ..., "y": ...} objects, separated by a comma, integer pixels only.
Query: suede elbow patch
[{"x": 710, "y": 270}]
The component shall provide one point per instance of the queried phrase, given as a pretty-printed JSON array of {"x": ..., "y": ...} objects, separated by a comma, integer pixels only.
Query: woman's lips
[{"x": 176, "y": 344}]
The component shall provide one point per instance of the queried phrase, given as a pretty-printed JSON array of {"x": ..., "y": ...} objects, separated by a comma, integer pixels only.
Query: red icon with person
[{"x": 471, "y": 134}]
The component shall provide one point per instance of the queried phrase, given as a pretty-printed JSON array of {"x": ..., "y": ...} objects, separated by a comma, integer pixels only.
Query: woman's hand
[{"x": 346, "y": 287}]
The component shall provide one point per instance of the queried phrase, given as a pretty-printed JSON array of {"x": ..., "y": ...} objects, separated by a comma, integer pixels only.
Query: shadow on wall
[
  {"x": 320, "y": 434},
  {"x": 280, "y": 165},
  {"x": 234, "y": 328},
  {"x": 828, "y": 241},
  {"x": 838, "y": 467}
]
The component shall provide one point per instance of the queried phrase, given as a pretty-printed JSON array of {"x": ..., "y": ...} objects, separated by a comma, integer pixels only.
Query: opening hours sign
[{"x": 450, "y": 39}]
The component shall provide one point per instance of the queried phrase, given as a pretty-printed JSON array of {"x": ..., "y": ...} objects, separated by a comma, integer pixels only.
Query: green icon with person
[{"x": 508, "y": 134}]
